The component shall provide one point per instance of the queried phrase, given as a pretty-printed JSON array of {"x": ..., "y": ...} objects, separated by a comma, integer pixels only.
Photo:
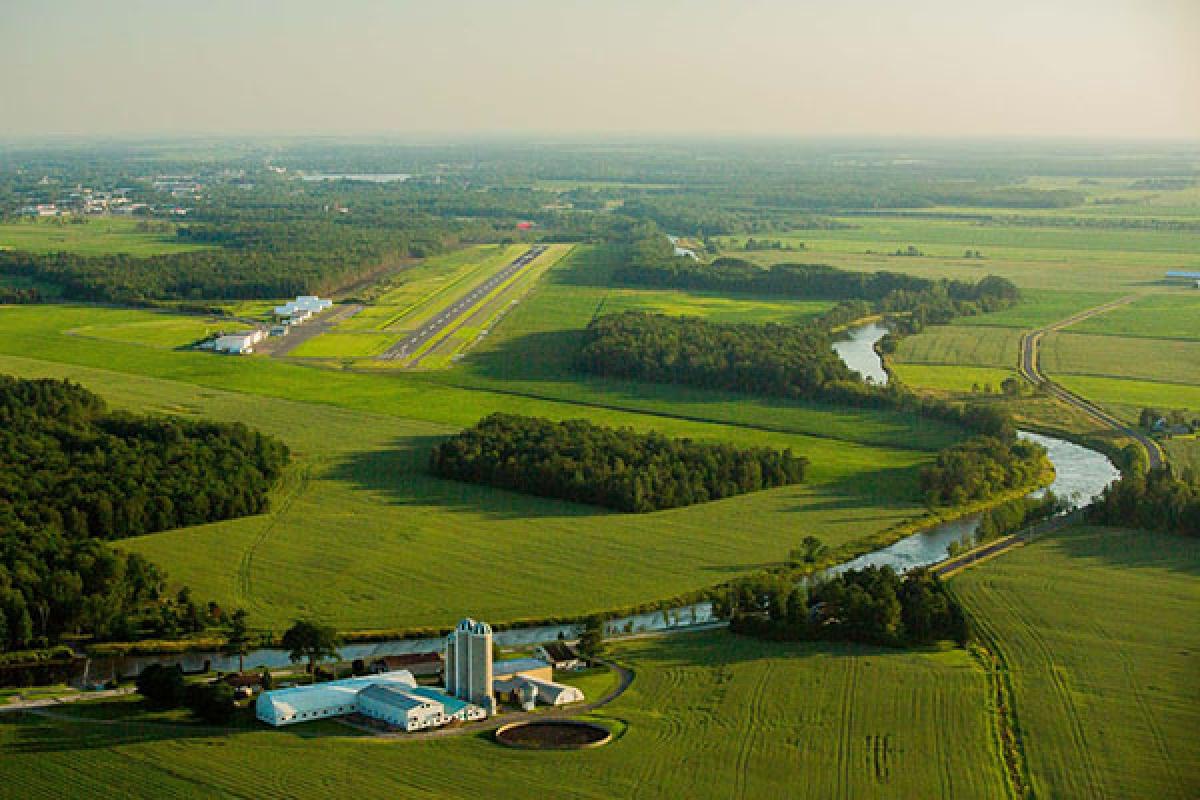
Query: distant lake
[{"x": 369, "y": 177}]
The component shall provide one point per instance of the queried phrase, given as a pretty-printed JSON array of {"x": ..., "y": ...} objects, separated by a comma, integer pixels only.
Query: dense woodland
[
  {"x": 873, "y": 605},
  {"x": 982, "y": 467},
  {"x": 611, "y": 467},
  {"x": 73, "y": 474},
  {"x": 1155, "y": 500}
]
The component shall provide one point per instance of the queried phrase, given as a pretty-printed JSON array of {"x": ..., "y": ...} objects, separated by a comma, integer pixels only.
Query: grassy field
[
  {"x": 1161, "y": 360},
  {"x": 1039, "y": 308},
  {"x": 708, "y": 716},
  {"x": 345, "y": 345},
  {"x": 951, "y": 378},
  {"x": 1160, "y": 316},
  {"x": 98, "y": 236},
  {"x": 950, "y": 344},
  {"x": 1099, "y": 630},
  {"x": 164, "y": 331},
  {"x": 1132, "y": 393},
  {"x": 358, "y": 517}
]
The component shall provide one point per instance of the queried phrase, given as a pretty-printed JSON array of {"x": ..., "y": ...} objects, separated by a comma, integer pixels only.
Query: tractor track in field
[{"x": 1030, "y": 368}]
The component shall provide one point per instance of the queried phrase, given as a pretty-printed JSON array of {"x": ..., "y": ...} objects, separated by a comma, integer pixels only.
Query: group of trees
[
  {"x": 775, "y": 359},
  {"x": 73, "y": 474},
  {"x": 872, "y": 604},
  {"x": 1155, "y": 500},
  {"x": 982, "y": 467},
  {"x": 163, "y": 687},
  {"x": 612, "y": 467}
]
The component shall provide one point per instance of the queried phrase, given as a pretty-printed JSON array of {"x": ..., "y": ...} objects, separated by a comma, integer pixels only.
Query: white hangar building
[{"x": 323, "y": 700}]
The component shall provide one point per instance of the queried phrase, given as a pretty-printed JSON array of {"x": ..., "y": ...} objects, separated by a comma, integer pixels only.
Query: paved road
[
  {"x": 463, "y": 305},
  {"x": 1031, "y": 369}
]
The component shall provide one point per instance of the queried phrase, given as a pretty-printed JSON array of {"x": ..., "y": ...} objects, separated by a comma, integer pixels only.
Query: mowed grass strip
[
  {"x": 345, "y": 345},
  {"x": 1099, "y": 630},
  {"x": 1161, "y": 360},
  {"x": 950, "y": 344},
  {"x": 98, "y": 236},
  {"x": 1159, "y": 316},
  {"x": 708, "y": 716}
]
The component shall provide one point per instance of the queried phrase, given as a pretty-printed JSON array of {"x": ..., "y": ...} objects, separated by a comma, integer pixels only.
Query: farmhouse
[
  {"x": 419, "y": 664},
  {"x": 560, "y": 655}
]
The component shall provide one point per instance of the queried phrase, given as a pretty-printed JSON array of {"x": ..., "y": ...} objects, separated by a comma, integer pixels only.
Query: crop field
[
  {"x": 1132, "y": 394},
  {"x": 1039, "y": 308},
  {"x": 962, "y": 380},
  {"x": 953, "y": 345},
  {"x": 1161, "y": 360},
  {"x": 1160, "y": 316},
  {"x": 1107, "y": 701},
  {"x": 98, "y": 236},
  {"x": 708, "y": 715}
]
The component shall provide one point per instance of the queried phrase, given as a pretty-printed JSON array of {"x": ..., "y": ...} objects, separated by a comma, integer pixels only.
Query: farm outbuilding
[
  {"x": 322, "y": 700},
  {"x": 400, "y": 708},
  {"x": 560, "y": 655}
]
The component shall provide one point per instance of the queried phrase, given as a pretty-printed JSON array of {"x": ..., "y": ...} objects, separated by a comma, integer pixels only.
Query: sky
[{"x": 792, "y": 68}]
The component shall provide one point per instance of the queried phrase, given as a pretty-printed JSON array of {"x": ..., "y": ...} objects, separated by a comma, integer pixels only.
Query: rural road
[
  {"x": 50, "y": 702},
  {"x": 1031, "y": 370},
  {"x": 463, "y": 305}
]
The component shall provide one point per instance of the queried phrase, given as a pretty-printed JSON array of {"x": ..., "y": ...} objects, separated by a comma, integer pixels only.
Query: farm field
[
  {"x": 962, "y": 380},
  {"x": 950, "y": 344},
  {"x": 1107, "y": 701},
  {"x": 709, "y": 715},
  {"x": 1160, "y": 360},
  {"x": 1039, "y": 308},
  {"x": 1132, "y": 393},
  {"x": 98, "y": 236},
  {"x": 1174, "y": 315}
]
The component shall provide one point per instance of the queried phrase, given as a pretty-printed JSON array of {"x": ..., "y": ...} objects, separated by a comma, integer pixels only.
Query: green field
[
  {"x": 358, "y": 517},
  {"x": 1039, "y": 308},
  {"x": 1161, "y": 316},
  {"x": 951, "y": 379},
  {"x": 164, "y": 331},
  {"x": 1132, "y": 393},
  {"x": 708, "y": 715},
  {"x": 97, "y": 236},
  {"x": 1099, "y": 630},
  {"x": 950, "y": 345},
  {"x": 345, "y": 345},
  {"x": 1161, "y": 360}
]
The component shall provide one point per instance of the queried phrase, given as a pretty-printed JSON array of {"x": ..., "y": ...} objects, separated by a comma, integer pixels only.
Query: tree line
[
  {"x": 615, "y": 468},
  {"x": 872, "y": 605},
  {"x": 74, "y": 474},
  {"x": 1155, "y": 500}
]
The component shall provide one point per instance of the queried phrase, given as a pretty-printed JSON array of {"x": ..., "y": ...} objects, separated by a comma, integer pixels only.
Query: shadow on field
[
  {"x": 400, "y": 473},
  {"x": 543, "y": 356},
  {"x": 1131, "y": 549},
  {"x": 29, "y": 733}
]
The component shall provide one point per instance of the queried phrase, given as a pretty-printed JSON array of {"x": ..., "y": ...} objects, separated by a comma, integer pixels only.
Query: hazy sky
[{"x": 1101, "y": 68}]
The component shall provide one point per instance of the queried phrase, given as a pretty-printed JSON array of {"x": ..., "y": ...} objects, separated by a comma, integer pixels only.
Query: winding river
[{"x": 1080, "y": 475}]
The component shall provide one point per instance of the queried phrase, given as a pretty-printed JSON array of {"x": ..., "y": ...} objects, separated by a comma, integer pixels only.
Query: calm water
[
  {"x": 857, "y": 349},
  {"x": 1081, "y": 474}
]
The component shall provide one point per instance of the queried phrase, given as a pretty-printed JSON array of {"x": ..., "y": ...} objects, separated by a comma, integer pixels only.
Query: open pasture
[
  {"x": 1039, "y": 308},
  {"x": 954, "y": 345},
  {"x": 958, "y": 379},
  {"x": 1167, "y": 315},
  {"x": 1161, "y": 360},
  {"x": 164, "y": 331},
  {"x": 95, "y": 237},
  {"x": 708, "y": 716},
  {"x": 1133, "y": 394},
  {"x": 1107, "y": 699}
]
